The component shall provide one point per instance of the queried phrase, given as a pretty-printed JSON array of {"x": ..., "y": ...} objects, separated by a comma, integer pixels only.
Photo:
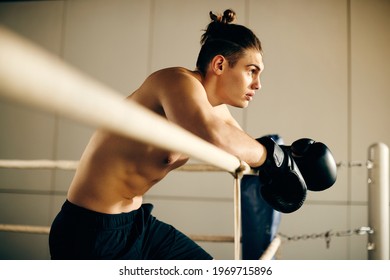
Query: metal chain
[
  {"x": 368, "y": 164},
  {"x": 328, "y": 235}
]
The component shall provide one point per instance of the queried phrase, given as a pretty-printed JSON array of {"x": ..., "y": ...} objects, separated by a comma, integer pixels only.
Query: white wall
[{"x": 326, "y": 77}]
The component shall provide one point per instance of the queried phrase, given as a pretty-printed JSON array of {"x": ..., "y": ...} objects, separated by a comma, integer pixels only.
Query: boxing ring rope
[
  {"x": 72, "y": 165},
  {"x": 39, "y": 164},
  {"x": 268, "y": 254},
  {"x": 53, "y": 86},
  {"x": 46, "y": 230},
  {"x": 272, "y": 248}
]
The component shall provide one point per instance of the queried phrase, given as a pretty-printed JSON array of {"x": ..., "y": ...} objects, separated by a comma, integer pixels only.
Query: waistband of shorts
[{"x": 90, "y": 218}]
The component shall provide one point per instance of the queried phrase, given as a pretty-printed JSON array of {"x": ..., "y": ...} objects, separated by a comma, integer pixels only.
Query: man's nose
[{"x": 256, "y": 84}]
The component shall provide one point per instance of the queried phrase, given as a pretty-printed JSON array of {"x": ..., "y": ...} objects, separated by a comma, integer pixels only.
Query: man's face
[{"x": 239, "y": 83}]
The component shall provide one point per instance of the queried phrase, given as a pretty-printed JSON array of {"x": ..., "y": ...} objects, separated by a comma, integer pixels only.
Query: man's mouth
[{"x": 249, "y": 96}]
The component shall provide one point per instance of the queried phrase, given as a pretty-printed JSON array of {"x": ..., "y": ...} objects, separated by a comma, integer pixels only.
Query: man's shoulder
[
  {"x": 175, "y": 77},
  {"x": 176, "y": 72}
]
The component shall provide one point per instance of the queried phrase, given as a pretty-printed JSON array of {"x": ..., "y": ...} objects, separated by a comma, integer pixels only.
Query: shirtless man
[{"x": 103, "y": 216}]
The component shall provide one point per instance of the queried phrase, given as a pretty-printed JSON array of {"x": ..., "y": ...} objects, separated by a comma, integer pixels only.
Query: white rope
[
  {"x": 24, "y": 228},
  {"x": 39, "y": 164},
  {"x": 32, "y": 76},
  {"x": 46, "y": 230},
  {"x": 268, "y": 254},
  {"x": 272, "y": 248},
  {"x": 72, "y": 165}
]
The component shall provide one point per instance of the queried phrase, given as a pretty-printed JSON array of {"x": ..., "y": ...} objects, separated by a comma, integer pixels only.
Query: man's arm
[{"x": 185, "y": 103}]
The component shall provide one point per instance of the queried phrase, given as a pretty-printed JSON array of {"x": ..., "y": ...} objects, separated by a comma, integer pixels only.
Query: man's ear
[{"x": 218, "y": 64}]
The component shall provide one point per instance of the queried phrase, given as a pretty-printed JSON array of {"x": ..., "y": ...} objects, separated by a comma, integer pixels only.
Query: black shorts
[{"x": 78, "y": 233}]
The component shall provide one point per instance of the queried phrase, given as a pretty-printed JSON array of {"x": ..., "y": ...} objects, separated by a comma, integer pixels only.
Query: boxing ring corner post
[{"x": 378, "y": 201}]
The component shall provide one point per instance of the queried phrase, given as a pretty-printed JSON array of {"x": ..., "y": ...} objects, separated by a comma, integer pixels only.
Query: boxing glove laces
[{"x": 282, "y": 185}]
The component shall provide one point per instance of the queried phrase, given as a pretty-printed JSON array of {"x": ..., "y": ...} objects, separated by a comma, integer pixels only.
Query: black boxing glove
[
  {"x": 283, "y": 186},
  {"x": 316, "y": 163}
]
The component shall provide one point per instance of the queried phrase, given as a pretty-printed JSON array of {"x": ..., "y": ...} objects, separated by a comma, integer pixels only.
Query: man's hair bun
[{"x": 227, "y": 17}]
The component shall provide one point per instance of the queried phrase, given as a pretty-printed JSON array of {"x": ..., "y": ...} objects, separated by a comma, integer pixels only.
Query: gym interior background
[{"x": 326, "y": 77}]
